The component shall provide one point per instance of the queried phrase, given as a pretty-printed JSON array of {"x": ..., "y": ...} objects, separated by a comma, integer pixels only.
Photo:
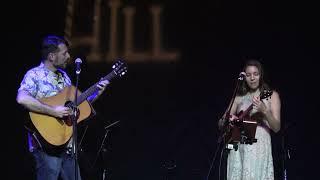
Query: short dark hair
[{"x": 50, "y": 44}]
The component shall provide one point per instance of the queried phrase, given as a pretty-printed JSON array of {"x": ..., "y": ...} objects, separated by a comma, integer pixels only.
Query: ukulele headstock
[{"x": 266, "y": 94}]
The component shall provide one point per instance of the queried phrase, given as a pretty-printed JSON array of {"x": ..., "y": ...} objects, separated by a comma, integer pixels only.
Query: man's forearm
[{"x": 33, "y": 104}]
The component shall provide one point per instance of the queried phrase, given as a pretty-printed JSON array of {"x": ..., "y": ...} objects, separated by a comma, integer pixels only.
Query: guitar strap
[{"x": 33, "y": 140}]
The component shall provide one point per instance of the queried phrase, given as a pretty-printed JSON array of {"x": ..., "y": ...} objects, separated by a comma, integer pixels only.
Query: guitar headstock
[
  {"x": 120, "y": 68},
  {"x": 266, "y": 94}
]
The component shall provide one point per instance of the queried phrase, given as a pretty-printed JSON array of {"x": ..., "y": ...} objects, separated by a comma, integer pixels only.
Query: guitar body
[{"x": 56, "y": 131}]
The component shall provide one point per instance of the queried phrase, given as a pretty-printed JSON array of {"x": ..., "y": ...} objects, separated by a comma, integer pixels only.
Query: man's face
[{"x": 61, "y": 57}]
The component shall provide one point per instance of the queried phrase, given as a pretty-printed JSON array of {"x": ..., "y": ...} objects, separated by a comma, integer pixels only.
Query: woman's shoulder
[{"x": 275, "y": 94}]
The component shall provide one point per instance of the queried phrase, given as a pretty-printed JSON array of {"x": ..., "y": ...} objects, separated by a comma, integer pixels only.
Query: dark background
[{"x": 168, "y": 112}]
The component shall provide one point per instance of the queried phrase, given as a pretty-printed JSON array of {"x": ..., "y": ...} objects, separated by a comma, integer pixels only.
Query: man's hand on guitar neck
[{"x": 102, "y": 86}]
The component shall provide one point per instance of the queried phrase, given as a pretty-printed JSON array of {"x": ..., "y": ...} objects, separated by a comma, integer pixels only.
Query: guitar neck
[
  {"x": 246, "y": 112},
  {"x": 94, "y": 88}
]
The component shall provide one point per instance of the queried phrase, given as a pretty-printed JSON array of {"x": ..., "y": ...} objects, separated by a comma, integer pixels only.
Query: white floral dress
[{"x": 252, "y": 162}]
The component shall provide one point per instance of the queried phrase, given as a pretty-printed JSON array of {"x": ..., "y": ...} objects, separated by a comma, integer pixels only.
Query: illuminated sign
[{"x": 123, "y": 15}]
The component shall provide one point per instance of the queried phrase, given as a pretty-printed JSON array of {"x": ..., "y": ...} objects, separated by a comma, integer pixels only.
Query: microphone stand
[
  {"x": 285, "y": 155},
  {"x": 107, "y": 128},
  {"x": 285, "y": 150},
  {"x": 223, "y": 156},
  {"x": 74, "y": 127}
]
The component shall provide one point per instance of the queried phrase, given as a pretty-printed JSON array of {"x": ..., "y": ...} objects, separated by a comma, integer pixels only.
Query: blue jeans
[{"x": 51, "y": 167}]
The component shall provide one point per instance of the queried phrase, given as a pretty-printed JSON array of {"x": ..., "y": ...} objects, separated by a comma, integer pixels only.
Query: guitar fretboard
[{"x": 94, "y": 88}]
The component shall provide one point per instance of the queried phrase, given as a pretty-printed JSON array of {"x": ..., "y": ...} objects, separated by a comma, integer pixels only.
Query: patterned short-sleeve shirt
[{"x": 41, "y": 82}]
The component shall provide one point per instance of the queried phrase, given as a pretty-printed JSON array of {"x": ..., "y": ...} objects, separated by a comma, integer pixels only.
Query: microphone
[
  {"x": 242, "y": 75},
  {"x": 78, "y": 61}
]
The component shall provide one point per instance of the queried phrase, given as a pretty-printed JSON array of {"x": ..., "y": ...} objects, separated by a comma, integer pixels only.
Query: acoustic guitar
[{"x": 56, "y": 132}]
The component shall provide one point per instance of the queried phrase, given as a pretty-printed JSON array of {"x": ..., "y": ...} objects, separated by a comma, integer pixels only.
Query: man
[{"x": 47, "y": 80}]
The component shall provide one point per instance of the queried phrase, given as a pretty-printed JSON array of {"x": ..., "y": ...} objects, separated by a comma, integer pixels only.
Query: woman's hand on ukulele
[{"x": 259, "y": 105}]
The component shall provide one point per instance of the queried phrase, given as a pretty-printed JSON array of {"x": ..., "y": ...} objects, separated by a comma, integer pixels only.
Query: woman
[{"x": 254, "y": 161}]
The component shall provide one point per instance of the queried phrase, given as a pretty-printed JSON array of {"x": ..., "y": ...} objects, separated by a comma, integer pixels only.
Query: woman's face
[{"x": 252, "y": 77}]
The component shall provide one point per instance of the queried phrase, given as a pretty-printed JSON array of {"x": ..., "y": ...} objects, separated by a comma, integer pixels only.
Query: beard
[{"x": 61, "y": 65}]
